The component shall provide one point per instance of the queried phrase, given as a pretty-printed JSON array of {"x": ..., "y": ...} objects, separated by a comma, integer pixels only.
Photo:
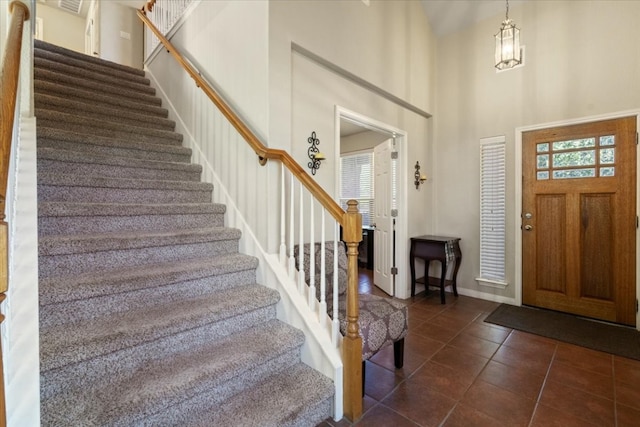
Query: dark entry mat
[{"x": 619, "y": 340}]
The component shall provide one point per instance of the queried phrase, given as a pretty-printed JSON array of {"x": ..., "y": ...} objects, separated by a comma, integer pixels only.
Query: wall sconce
[
  {"x": 420, "y": 179},
  {"x": 314, "y": 153}
]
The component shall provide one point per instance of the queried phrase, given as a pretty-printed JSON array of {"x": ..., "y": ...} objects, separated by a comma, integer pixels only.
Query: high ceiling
[
  {"x": 449, "y": 16},
  {"x": 445, "y": 16}
]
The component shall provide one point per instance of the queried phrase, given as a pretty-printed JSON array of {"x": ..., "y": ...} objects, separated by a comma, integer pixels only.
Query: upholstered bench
[{"x": 382, "y": 321}]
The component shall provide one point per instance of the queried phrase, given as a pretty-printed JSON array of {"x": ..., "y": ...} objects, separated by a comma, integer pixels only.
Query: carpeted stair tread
[
  {"x": 94, "y": 77},
  {"x": 90, "y": 59},
  {"x": 100, "y": 88},
  {"x": 123, "y": 363},
  {"x": 73, "y": 254},
  {"x": 81, "y": 243},
  {"x": 92, "y": 126},
  {"x": 92, "y": 218},
  {"x": 60, "y": 209},
  {"x": 97, "y": 112},
  {"x": 113, "y": 190},
  {"x": 55, "y": 160},
  {"x": 210, "y": 370},
  {"x": 99, "y": 145},
  {"x": 122, "y": 280},
  {"x": 60, "y": 346},
  {"x": 145, "y": 287},
  {"x": 99, "y": 99},
  {"x": 70, "y": 180},
  {"x": 168, "y": 145},
  {"x": 98, "y": 67},
  {"x": 298, "y": 396}
]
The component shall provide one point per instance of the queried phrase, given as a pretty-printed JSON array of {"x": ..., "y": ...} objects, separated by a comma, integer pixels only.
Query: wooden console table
[{"x": 435, "y": 248}]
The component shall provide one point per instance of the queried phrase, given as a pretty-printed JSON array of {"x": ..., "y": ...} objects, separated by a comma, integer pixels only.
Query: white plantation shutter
[
  {"x": 492, "y": 209},
  {"x": 357, "y": 183}
]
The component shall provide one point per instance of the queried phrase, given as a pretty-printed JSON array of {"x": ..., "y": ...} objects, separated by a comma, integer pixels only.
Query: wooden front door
[{"x": 579, "y": 219}]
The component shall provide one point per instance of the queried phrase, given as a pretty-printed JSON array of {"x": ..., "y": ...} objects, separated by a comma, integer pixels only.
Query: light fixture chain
[{"x": 507, "y": 16}]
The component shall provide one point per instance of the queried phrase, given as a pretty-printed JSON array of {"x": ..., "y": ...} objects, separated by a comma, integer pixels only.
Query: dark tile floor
[{"x": 460, "y": 371}]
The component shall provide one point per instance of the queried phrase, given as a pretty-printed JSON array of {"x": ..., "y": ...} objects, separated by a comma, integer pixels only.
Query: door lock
[{"x": 528, "y": 227}]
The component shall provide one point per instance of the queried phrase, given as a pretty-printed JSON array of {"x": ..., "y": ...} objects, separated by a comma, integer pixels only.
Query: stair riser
[
  {"x": 74, "y": 311},
  {"x": 116, "y": 366},
  {"x": 84, "y": 65},
  {"x": 119, "y": 150},
  {"x": 90, "y": 60},
  {"x": 311, "y": 403},
  {"x": 123, "y": 116},
  {"x": 99, "y": 261},
  {"x": 114, "y": 171},
  {"x": 72, "y": 82},
  {"x": 177, "y": 411},
  {"x": 96, "y": 224},
  {"x": 92, "y": 76},
  {"x": 99, "y": 99},
  {"x": 123, "y": 195},
  {"x": 58, "y": 290},
  {"x": 109, "y": 130}
]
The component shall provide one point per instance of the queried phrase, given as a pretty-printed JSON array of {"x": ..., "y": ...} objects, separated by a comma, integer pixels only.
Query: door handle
[{"x": 528, "y": 227}]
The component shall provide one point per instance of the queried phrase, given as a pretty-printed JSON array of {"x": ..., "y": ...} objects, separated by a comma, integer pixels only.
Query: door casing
[
  {"x": 402, "y": 290},
  {"x": 518, "y": 199}
]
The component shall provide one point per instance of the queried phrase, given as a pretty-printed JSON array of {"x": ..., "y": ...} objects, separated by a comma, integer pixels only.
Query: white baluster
[
  {"x": 292, "y": 267},
  {"x": 336, "y": 322},
  {"x": 301, "y": 271},
  {"x": 312, "y": 256},
  {"x": 322, "y": 309},
  {"x": 283, "y": 212}
]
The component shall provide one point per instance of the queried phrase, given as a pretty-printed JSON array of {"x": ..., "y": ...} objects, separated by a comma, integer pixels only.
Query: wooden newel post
[{"x": 352, "y": 343}]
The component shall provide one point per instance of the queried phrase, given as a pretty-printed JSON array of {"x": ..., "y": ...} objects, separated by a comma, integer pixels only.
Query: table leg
[
  {"x": 458, "y": 257},
  {"x": 443, "y": 276},
  {"x": 412, "y": 267}
]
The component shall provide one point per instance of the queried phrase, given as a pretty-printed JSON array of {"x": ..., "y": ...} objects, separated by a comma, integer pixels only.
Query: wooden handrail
[
  {"x": 9, "y": 74},
  {"x": 8, "y": 94},
  {"x": 351, "y": 222},
  {"x": 263, "y": 152}
]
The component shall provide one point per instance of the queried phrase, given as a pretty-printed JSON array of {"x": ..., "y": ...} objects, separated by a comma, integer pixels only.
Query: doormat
[{"x": 614, "y": 339}]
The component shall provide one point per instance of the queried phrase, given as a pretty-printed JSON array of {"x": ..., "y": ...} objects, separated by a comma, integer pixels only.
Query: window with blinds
[
  {"x": 492, "y": 212},
  {"x": 356, "y": 171}
]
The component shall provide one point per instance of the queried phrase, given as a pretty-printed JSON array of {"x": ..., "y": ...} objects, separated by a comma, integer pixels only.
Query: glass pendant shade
[{"x": 508, "y": 53}]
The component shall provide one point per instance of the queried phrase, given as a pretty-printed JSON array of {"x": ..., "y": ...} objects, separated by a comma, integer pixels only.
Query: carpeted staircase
[{"x": 149, "y": 315}]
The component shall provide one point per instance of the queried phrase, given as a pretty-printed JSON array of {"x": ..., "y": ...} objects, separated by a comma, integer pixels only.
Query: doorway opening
[{"x": 384, "y": 218}]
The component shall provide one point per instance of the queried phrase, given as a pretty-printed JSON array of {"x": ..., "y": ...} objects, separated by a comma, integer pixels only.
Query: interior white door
[{"x": 383, "y": 234}]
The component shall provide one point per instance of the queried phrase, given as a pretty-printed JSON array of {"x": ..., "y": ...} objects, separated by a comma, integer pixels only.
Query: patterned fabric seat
[{"x": 382, "y": 321}]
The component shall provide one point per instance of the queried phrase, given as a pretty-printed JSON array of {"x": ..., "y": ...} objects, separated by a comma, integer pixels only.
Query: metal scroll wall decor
[{"x": 315, "y": 156}]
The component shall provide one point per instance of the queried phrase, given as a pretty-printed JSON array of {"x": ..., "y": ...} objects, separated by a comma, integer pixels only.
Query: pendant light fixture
[{"x": 508, "y": 53}]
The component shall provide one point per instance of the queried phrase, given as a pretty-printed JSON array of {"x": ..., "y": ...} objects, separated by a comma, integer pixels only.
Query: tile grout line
[{"x": 544, "y": 382}]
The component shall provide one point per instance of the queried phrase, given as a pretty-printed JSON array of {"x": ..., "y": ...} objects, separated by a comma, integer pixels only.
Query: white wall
[
  {"x": 61, "y": 28},
  {"x": 389, "y": 45},
  {"x": 245, "y": 49},
  {"x": 227, "y": 41},
  {"x": 582, "y": 59},
  {"x": 361, "y": 141},
  {"x": 120, "y": 34}
]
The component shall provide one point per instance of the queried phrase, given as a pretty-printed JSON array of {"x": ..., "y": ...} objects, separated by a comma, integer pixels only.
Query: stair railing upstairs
[
  {"x": 9, "y": 74},
  {"x": 350, "y": 221}
]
